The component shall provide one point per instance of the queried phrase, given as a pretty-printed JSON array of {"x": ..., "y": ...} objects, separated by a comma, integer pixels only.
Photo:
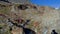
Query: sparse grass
[
  {"x": 5, "y": 10},
  {"x": 4, "y": 29}
]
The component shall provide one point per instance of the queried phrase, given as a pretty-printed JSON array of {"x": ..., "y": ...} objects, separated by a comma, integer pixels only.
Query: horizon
[{"x": 51, "y": 3}]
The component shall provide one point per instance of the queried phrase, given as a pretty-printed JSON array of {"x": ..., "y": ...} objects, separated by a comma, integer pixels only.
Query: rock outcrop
[{"x": 29, "y": 18}]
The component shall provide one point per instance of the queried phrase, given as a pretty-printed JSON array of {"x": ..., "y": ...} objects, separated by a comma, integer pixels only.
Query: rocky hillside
[{"x": 29, "y": 19}]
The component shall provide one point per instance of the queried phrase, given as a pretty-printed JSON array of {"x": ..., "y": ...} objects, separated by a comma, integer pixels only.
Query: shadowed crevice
[
  {"x": 22, "y": 7},
  {"x": 28, "y": 31},
  {"x": 5, "y": 1},
  {"x": 54, "y": 32},
  {"x": 25, "y": 30}
]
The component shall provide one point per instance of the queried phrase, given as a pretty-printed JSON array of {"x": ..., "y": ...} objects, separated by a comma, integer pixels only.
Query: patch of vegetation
[
  {"x": 4, "y": 29},
  {"x": 4, "y": 9}
]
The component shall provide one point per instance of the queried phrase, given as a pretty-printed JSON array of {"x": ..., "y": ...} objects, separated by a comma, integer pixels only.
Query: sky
[{"x": 51, "y": 3}]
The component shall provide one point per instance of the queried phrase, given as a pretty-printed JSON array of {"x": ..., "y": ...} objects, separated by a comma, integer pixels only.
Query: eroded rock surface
[{"x": 23, "y": 18}]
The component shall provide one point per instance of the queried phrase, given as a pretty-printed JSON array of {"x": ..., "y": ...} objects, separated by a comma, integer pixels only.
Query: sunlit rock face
[
  {"x": 41, "y": 19},
  {"x": 19, "y": 1}
]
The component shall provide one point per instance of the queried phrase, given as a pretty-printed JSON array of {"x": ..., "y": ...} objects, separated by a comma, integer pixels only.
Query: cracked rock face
[{"x": 33, "y": 19}]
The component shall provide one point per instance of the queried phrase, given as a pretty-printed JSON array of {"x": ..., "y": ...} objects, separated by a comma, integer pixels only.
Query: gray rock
[{"x": 19, "y": 1}]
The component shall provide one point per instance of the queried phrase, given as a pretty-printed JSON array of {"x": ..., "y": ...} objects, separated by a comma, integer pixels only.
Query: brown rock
[{"x": 43, "y": 19}]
